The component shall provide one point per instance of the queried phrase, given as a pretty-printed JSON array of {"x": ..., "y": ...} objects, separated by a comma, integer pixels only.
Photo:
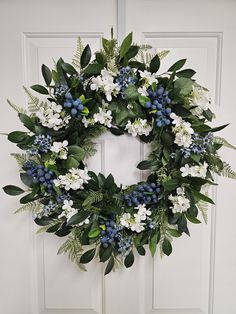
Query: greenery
[{"x": 119, "y": 90}]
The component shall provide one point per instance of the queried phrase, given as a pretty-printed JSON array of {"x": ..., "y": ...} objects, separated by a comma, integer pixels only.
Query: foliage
[{"x": 119, "y": 90}]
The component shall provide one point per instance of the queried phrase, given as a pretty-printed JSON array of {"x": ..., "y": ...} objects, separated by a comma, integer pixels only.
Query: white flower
[
  {"x": 194, "y": 171},
  {"x": 180, "y": 202},
  {"x": 143, "y": 91},
  {"x": 51, "y": 116},
  {"x": 87, "y": 121},
  {"x": 148, "y": 77},
  {"x": 105, "y": 83},
  {"x": 68, "y": 210},
  {"x": 138, "y": 127},
  {"x": 136, "y": 222},
  {"x": 60, "y": 148},
  {"x": 183, "y": 131},
  {"x": 103, "y": 117},
  {"x": 84, "y": 222},
  {"x": 199, "y": 99},
  {"x": 74, "y": 179}
]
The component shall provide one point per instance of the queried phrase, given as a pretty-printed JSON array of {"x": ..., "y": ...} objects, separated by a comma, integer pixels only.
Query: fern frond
[
  {"x": 89, "y": 149},
  {"x": 222, "y": 141},
  {"x": 33, "y": 207},
  {"x": 73, "y": 248},
  {"x": 78, "y": 53},
  {"x": 203, "y": 207},
  {"x": 163, "y": 54},
  {"x": 15, "y": 107},
  {"x": 33, "y": 102},
  {"x": 93, "y": 197},
  {"x": 227, "y": 171},
  {"x": 20, "y": 158}
]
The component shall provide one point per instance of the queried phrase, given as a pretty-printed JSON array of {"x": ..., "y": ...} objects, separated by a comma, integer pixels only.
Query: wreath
[{"x": 118, "y": 89}]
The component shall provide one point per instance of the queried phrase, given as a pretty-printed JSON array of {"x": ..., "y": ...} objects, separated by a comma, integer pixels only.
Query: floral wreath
[{"x": 120, "y": 91}]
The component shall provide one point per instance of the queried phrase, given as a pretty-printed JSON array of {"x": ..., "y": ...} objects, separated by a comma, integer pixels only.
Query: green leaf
[
  {"x": 184, "y": 85},
  {"x": 155, "y": 64},
  {"x": 106, "y": 45},
  {"x": 199, "y": 196},
  {"x": 93, "y": 69},
  {"x": 132, "y": 52},
  {"x": 94, "y": 233},
  {"x": 44, "y": 221},
  {"x": 166, "y": 247},
  {"x": 125, "y": 46},
  {"x": 131, "y": 92},
  {"x": 87, "y": 256},
  {"x": 141, "y": 250},
  {"x": 105, "y": 253},
  {"x": 193, "y": 220},
  {"x": 109, "y": 182},
  {"x": 27, "y": 121},
  {"x": 174, "y": 233},
  {"x": 170, "y": 185},
  {"x": 85, "y": 57},
  {"x": 109, "y": 266},
  {"x": 27, "y": 198},
  {"x": 143, "y": 100},
  {"x": 155, "y": 238},
  {"x": 77, "y": 152},
  {"x": 79, "y": 217},
  {"x": 63, "y": 232},
  {"x": 177, "y": 65},
  {"x": 47, "y": 74},
  {"x": 68, "y": 68},
  {"x": 186, "y": 73},
  {"x": 40, "y": 89},
  {"x": 146, "y": 164},
  {"x": 129, "y": 260},
  {"x": 12, "y": 190},
  {"x": 26, "y": 179},
  {"x": 71, "y": 162},
  {"x": 100, "y": 58},
  {"x": 17, "y": 136}
]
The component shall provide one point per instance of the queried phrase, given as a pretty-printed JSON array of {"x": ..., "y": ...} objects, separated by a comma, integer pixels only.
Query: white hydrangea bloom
[
  {"x": 84, "y": 222},
  {"x": 60, "y": 148},
  {"x": 183, "y": 131},
  {"x": 138, "y": 127},
  {"x": 136, "y": 222},
  {"x": 148, "y": 77},
  {"x": 143, "y": 91},
  {"x": 88, "y": 121},
  {"x": 103, "y": 117},
  {"x": 51, "y": 116},
  {"x": 194, "y": 171},
  {"x": 68, "y": 210},
  {"x": 105, "y": 82},
  {"x": 74, "y": 179},
  {"x": 199, "y": 99},
  {"x": 180, "y": 202}
]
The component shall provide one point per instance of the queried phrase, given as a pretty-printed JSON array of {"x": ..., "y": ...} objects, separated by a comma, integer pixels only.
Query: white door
[{"x": 200, "y": 275}]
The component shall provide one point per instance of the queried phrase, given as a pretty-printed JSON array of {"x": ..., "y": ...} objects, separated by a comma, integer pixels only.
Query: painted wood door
[{"x": 200, "y": 276}]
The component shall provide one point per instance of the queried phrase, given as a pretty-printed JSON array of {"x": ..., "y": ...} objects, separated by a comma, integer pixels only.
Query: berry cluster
[
  {"x": 75, "y": 106},
  {"x": 49, "y": 207},
  {"x": 109, "y": 233},
  {"x": 144, "y": 194},
  {"x": 124, "y": 79},
  {"x": 124, "y": 244},
  {"x": 62, "y": 197},
  {"x": 60, "y": 90},
  {"x": 159, "y": 100},
  {"x": 40, "y": 175},
  {"x": 41, "y": 144},
  {"x": 198, "y": 146}
]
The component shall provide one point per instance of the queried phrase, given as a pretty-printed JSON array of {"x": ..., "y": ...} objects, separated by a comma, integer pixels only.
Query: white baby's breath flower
[
  {"x": 103, "y": 117},
  {"x": 138, "y": 127},
  {"x": 68, "y": 210},
  {"x": 105, "y": 83},
  {"x": 180, "y": 202},
  {"x": 60, "y": 148},
  {"x": 199, "y": 100},
  {"x": 52, "y": 116},
  {"x": 194, "y": 171},
  {"x": 74, "y": 179}
]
